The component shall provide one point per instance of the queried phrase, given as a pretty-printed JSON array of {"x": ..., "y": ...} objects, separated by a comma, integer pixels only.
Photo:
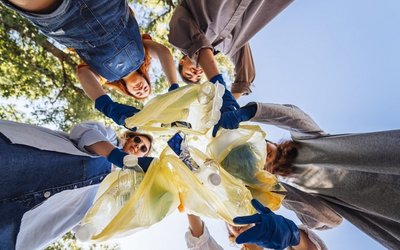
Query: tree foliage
[
  {"x": 68, "y": 242},
  {"x": 38, "y": 83},
  {"x": 41, "y": 73}
]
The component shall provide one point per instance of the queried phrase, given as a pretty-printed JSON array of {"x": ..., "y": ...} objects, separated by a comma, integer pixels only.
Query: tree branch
[{"x": 40, "y": 40}]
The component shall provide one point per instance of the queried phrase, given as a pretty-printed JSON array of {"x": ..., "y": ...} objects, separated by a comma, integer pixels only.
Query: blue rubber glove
[
  {"x": 232, "y": 119},
  {"x": 229, "y": 102},
  {"x": 173, "y": 87},
  {"x": 144, "y": 162},
  {"x": 114, "y": 110},
  {"x": 218, "y": 78},
  {"x": 116, "y": 157},
  {"x": 270, "y": 230}
]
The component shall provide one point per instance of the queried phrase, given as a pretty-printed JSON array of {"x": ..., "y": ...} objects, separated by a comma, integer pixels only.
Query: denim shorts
[
  {"x": 30, "y": 176},
  {"x": 103, "y": 32}
]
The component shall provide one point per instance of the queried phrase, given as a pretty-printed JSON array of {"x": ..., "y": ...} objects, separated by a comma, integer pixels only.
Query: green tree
[
  {"x": 69, "y": 242},
  {"x": 40, "y": 73},
  {"x": 38, "y": 83}
]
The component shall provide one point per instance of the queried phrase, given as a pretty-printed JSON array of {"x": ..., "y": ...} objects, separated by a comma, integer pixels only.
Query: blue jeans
[
  {"x": 29, "y": 176},
  {"x": 102, "y": 32}
]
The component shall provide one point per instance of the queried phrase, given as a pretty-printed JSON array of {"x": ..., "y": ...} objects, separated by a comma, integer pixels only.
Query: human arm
[
  {"x": 285, "y": 116},
  {"x": 198, "y": 236},
  {"x": 277, "y": 232},
  {"x": 163, "y": 54},
  {"x": 90, "y": 82},
  {"x": 96, "y": 139},
  {"x": 196, "y": 225},
  {"x": 245, "y": 71},
  {"x": 269, "y": 230},
  {"x": 312, "y": 211},
  {"x": 209, "y": 64},
  {"x": 185, "y": 34},
  {"x": 309, "y": 240},
  {"x": 91, "y": 85}
]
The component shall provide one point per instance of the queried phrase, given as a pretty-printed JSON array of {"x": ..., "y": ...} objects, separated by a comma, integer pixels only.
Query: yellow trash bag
[
  {"x": 242, "y": 152},
  {"x": 228, "y": 199},
  {"x": 167, "y": 185},
  {"x": 197, "y": 104},
  {"x": 248, "y": 140},
  {"x": 170, "y": 184}
]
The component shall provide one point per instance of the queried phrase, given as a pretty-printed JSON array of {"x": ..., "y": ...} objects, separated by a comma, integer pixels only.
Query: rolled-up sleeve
[
  {"x": 186, "y": 35},
  {"x": 314, "y": 238},
  {"x": 312, "y": 211},
  {"x": 289, "y": 117},
  {"x": 204, "y": 242},
  {"x": 245, "y": 71},
  {"x": 88, "y": 133}
]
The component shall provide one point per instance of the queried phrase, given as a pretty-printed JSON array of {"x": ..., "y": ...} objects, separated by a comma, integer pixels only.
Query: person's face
[
  {"x": 137, "y": 85},
  {"x": 137, "y": 145},
  {"x": 190, "y": 71},
  {"x": 271, "y": 152}
]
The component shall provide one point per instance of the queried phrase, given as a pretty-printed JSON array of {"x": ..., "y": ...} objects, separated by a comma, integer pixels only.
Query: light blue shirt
[
  {"x": 82, "y": 135},
  {"x": 90, "y": 132}
]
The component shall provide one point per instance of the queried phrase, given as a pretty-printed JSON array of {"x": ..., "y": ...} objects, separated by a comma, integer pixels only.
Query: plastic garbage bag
[
  {"x": 242, "y": 152},
  {"x": 197, "y": 104},
  {"x": 156, "y": 197},
  {"x": 169, "y": 184}
]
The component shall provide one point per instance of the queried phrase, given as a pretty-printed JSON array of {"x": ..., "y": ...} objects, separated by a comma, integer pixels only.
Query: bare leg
[{"x": 36, "y": 6}]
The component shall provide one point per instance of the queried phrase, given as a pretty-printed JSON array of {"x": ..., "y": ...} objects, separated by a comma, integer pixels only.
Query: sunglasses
[{"x": 136, "y": 139}]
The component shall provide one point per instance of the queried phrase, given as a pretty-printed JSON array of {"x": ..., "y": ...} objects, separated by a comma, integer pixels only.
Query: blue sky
[{"x": 339, "y": 62}]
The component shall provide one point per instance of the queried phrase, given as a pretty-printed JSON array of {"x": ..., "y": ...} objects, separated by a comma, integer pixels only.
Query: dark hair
[
  {"x": 286, "y": 153},
  {"x": 180, "y": 69}
]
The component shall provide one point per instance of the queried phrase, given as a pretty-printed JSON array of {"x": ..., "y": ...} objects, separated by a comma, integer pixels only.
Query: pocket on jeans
[{"x": 125, "y": 60}]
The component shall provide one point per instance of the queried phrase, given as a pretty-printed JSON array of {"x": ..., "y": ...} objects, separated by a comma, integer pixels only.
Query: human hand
[
  {"x": 228, "y": 120},
  {"x": 229, "y": 101},
  {"x": 270, "y": 230},
  {"x": 232, "y": 119},
  {"x": 173, "y": 87},
  {"x": 114, "y": 110},
  {"x": 116, "y": 157},
  {"x": 235, "y": 231}
]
